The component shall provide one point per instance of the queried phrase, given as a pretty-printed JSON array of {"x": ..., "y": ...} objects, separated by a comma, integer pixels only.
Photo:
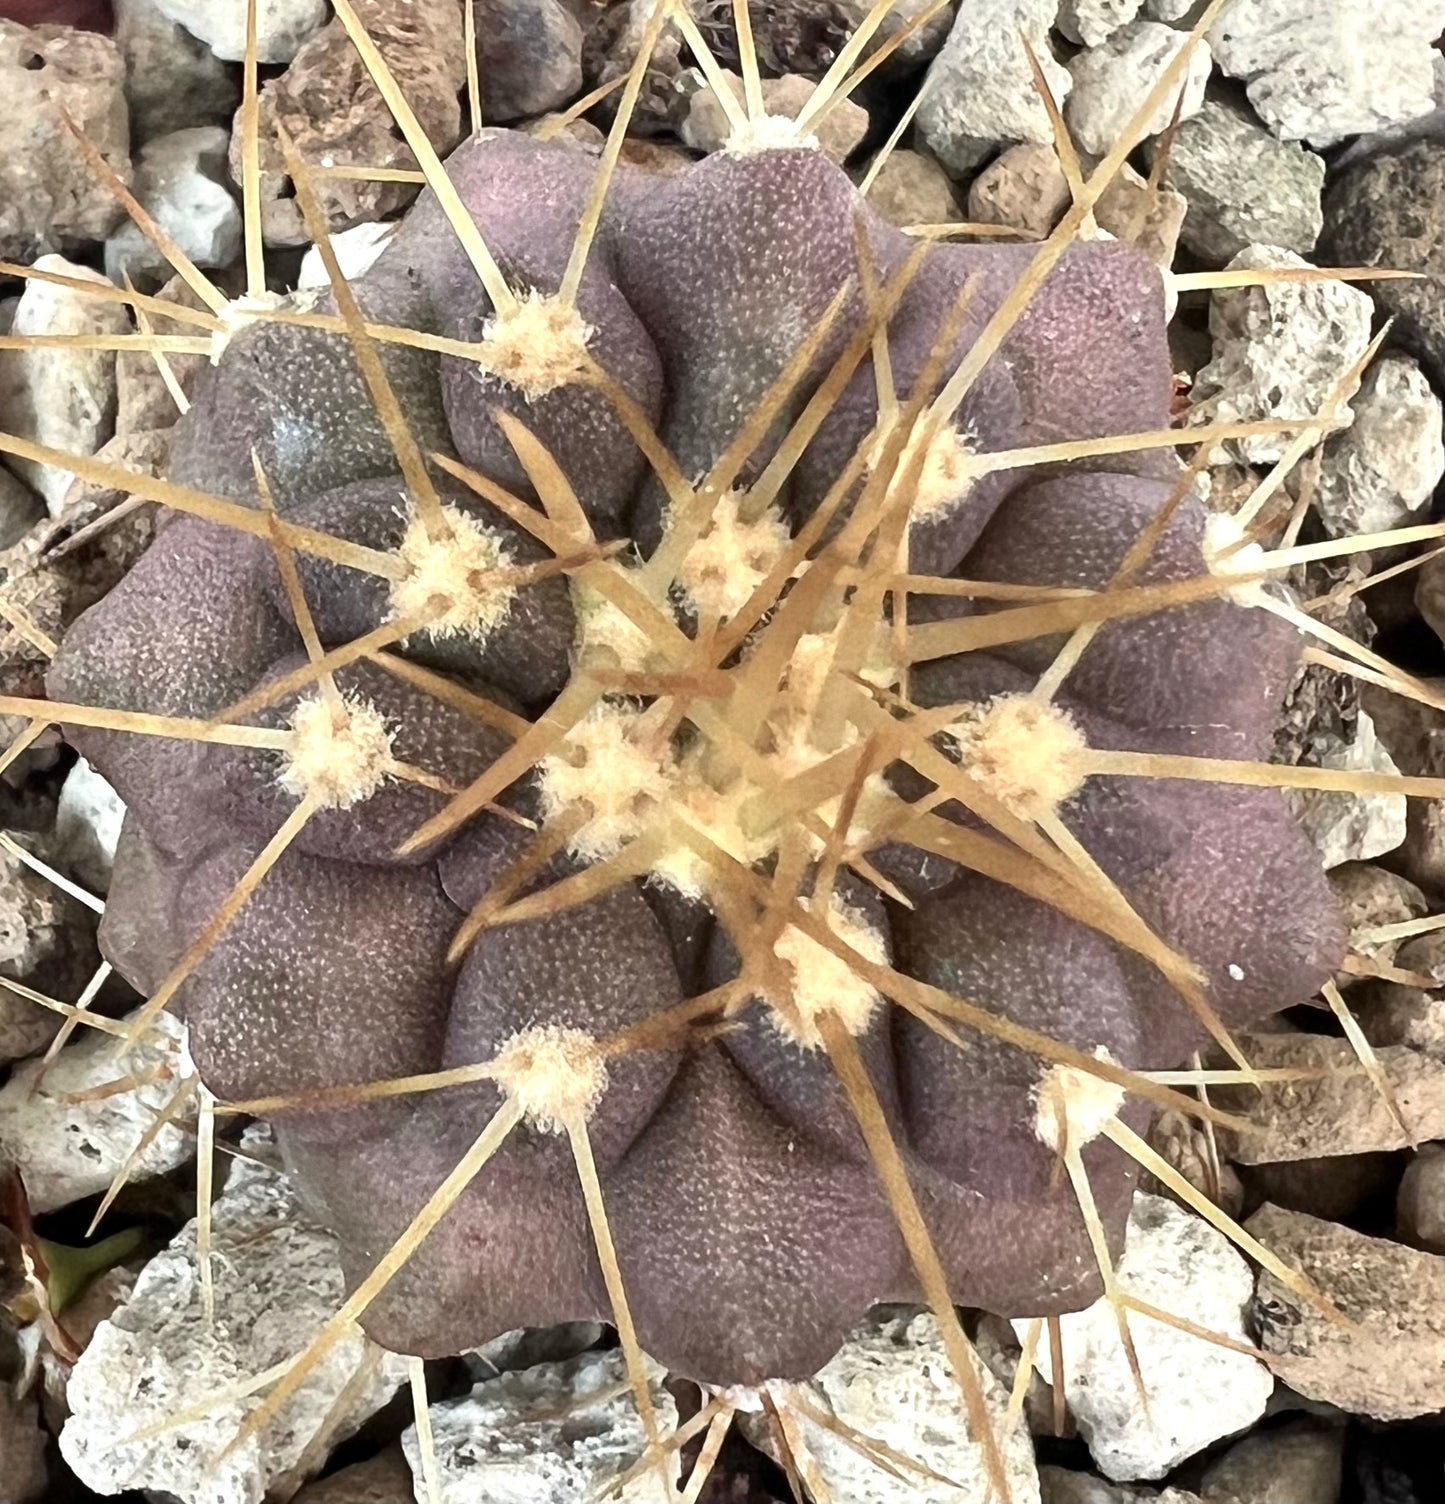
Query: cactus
[{"x": 693, "y": 750}]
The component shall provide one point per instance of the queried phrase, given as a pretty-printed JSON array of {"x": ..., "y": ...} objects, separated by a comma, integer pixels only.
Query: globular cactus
[{"x": 702, "y": 556}]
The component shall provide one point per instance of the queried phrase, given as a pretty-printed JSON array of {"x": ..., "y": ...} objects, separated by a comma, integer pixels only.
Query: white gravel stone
[
  {"x": 69, "y": 1149},
  {"x": 1386, "y": 465},
  {"x": 1279, "y": 352},
  {"x": 1095, "y": 21},
  {"x": 1198, "y": 1391},
  {"x": 980, "y": 92},
  {"x": 356, "y": 250},
  {"x": 278, "y": 1279},
  {"x": 87, "y": 826},
  {"x": 1111, "y": 81},
  {"x": 1321, "y": 70},
  {"x": 532, "y": 1437},
  {"x": 1353, "y": 827},
  {"x": 281, "y": 25},
  {"x": 892, "y": 1383},
  {"x": 63, "y": 398},
  {"x": 180, "y": 180}
]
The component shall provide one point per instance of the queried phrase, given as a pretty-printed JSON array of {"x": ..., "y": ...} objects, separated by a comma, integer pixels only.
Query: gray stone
[
  {"x": 1095, "y": 21},
  {"x": 892, "y": 1382},
  {"x": 1388, "y": 1359},
  {"x": 1386, "y": 465},
  {"x": 383, "y": 1479},
  {"x": 1430, "y": 593},
  {"x": 1393, "y": 1014},
  {"x": 537, "y": 1436},
  {"x": 1321, "y": 70},
  {"x": 1184, "y": 11},
  {"x": 1198, "y": 1391},
  {"x": 529, "y": 56},
  {"x": 1389, "y": 211},
  {"x": 1061, "y": 1485},
  {"x": 1279, "y": 352},
  {"x": 49, "y": 198},
  {"x": 1338, "y": 1112},
  {"x": 1348, "y": 827},
  {"x": 912, "y": 189},
  {"x": 1420, "y": 1203},
  {"x": 180, "y": 181},
  {"x": 62, "y": 398},
  {"x": 1299, "y": 1463},
  {"x": 980, "y": 91},
  {"x": 69, "y": 1149},
  {"x": 1111, "y": 82},
  {"x": 281, "y": 25},
  {"x": 1244, "y": 187},
  {"x": 20, "y": 508},
  {"x": 172, "y": 80},
  {"x": 1024, "y": 187},
  {"x": 277, "y": 1282}
]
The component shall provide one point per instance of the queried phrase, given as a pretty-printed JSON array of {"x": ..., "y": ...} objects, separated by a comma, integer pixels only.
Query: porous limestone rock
[
  {"x": 1279, "y": 352},
  {"x": 277, "y": 1281},
  {"x": 68, "y": 1146},
  {"x": 62, "y": 398},
  {"x": 535, "y": 1436},
  {"x": 49, "y": 197},
  {"x": 1198, "y": 1391}
]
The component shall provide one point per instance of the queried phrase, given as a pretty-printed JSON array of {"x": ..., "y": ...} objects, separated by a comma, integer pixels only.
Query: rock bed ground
[{"x": 1283, "y": 151}]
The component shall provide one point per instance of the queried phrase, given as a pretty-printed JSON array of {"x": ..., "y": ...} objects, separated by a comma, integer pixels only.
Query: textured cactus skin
[{"x": 750, "y": 1226}]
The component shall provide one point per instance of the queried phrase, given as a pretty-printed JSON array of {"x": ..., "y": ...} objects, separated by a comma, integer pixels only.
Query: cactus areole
[{"x": 712, "y": 607}]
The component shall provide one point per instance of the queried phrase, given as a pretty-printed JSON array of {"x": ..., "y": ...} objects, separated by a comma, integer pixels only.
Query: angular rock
[
  {"x": 1111, "y": 81},
  {"x": 1392, "y": 1014},
  {"x": 1389, "y": 1362},
  {"x": 1340, "y": 1112},
  {"x": 706, "y": 127},
  {"x": 1024, "y": 187},
  {"x": 1243, "y": 186},
  {"x": 49, "y": 197},
  {"x": 1279, "y": 351},
  {"x": 1198, "y": 1391},
  {"x": 356, "y": 252},
  {"x": 1386, "y": 465},
  {"x": 912, "y": 189},
  {"x": 891, "y": 1382},
  {"x": 180, "y": 179},
  {"x": 981, "y": 93},
  {"x": 529, "y": 53},
  {"x": 1321, "y": 70},
  {"x": 1300, "y": 1463},
  {"x": 1353, "y": 827},
  {"x": 1095, "y": 21},
  {"x": 535, "y": 1437},
  {"x": 278, "y": 1279},
  {"x": 281, "y": 25},
  {"x": 1371, "y": 898},
  {"x": 63, "y": 398},
  {"x": 172, "y": 79},
  {"x": 87, "y": 826},
  {"x": 332, "y": 111},
  {"x": 1390, "y": 211},
  {"x": 67, "y": 1150}
]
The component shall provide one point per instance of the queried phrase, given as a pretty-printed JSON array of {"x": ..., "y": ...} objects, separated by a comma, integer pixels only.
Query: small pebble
[
  {"x": 1299, "y": 1463},
  {"x": 1420, "y": 1206},
  {"x": 912, "y": 189},
  {"x": 1024, "y": 187},
  {"x": 1350, "y": 827},
  {"x": 1112, "y": 80},
  {"x": 282, "y": 26}
]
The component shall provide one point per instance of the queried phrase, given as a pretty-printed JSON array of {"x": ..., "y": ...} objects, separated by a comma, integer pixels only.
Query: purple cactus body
[{"x": 751, "y": 1227}]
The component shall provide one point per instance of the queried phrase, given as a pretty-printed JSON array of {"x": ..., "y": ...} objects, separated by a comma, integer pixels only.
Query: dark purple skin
[{"x": 750, "y": 1225}]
